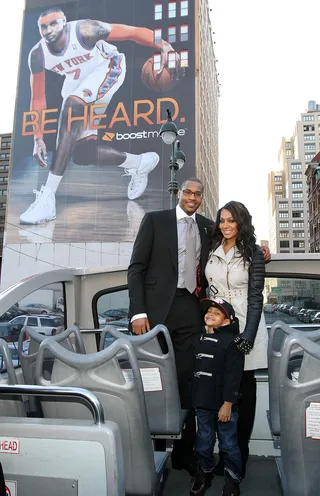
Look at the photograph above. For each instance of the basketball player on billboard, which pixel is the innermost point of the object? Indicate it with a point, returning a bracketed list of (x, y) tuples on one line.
[(93, 70)]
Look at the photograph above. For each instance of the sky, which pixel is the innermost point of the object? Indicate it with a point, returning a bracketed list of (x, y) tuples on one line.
[(267, 61)]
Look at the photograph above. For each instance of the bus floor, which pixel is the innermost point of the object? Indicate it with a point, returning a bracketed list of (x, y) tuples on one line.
[(261, 479)]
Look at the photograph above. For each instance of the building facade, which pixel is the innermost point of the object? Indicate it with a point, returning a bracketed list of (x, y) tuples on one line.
[(288, 190), (5, 149), (207, 105), (98, 203), (313, 183)]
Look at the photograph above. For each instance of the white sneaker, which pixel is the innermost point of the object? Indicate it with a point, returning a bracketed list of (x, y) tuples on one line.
[(139, 176), (42, 209)]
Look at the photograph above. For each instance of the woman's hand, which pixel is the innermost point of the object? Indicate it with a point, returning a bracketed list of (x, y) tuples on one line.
[(243, 345)]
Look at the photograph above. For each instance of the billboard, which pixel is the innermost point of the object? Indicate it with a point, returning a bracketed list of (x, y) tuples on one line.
[(95, 81)]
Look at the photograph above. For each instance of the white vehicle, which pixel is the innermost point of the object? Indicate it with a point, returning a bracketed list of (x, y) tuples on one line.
[(268, 308), (49, 325)]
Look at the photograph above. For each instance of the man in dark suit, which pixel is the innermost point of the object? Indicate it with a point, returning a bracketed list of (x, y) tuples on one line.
[(165, 282)]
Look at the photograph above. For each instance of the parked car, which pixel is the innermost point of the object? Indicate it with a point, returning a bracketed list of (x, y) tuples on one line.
[(293, 310), (110, 339), (307, 317), (268, 308), (101, 320), (48, 325), (10, 331), (13, 348), (13, 311), (301, 313), (115, 314), (35, 308), (316, 318)]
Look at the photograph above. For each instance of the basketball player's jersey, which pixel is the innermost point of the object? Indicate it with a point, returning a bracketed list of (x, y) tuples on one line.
[(76, 61)]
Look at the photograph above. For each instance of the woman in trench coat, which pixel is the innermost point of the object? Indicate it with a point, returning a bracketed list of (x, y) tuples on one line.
[(235, 271)]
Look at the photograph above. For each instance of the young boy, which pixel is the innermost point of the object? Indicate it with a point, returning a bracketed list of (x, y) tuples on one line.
[(217, 375)]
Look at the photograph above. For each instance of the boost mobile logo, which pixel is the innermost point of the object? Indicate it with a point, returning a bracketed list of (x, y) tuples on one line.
[(108, 136), (138, 135)]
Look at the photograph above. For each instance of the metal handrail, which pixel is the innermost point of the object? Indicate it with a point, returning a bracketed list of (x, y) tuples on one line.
[(90, 399)]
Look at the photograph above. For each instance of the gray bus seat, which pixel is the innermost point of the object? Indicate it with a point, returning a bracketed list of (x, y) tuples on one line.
[(159, 377), (9, 406), (278, 334), (123, 402), (28, 361), (54, 457), (300, 420)]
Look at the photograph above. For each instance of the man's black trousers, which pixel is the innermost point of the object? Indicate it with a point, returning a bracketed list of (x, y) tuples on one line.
[(184, 322)]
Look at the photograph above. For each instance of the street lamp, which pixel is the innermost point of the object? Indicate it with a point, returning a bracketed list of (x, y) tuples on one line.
[(169, 133)]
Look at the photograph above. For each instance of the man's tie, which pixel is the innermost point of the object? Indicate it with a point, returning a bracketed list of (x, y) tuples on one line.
[(190, 271)]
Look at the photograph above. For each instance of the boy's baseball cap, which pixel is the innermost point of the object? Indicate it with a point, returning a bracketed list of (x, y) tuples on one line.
[(225, 307)]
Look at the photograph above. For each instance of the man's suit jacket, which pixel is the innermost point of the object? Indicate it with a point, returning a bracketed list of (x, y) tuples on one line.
[(153, 269)]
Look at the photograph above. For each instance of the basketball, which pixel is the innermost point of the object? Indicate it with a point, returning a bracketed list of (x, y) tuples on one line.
[(154, 81)]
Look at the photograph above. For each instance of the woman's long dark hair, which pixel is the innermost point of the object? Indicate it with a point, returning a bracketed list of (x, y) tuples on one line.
[(246, 238)]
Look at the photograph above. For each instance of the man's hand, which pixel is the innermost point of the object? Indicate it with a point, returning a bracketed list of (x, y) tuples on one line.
[(40, 153), (224, 414), (140, 326), (165, 49), (266, 253)]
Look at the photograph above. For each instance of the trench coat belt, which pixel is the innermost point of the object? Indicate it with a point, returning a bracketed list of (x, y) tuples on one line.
[(232, 293)]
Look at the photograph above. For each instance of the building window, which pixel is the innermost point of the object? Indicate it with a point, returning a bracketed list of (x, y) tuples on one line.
[(296, 185), (308, 128), (278, 195), (184, 58), (283, 215), (296, 175), (171, 34), (278, 179), (158, 11), (309, 137), (288, 153), (156, 62), (310, 147), (298, 234), (296, 166), (283, 205), (309, 156), (184, 32), (284, 225), (297, 205), (171, 60), (297, 215), (283, 234), (298, 244), (296, 225), (184, 8), (278, 187), (297, 195), (172, 9), (284, 244), (308, 118), (157, 36)]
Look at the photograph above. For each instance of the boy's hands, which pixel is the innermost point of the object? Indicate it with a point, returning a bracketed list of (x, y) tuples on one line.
[(224, 414)]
